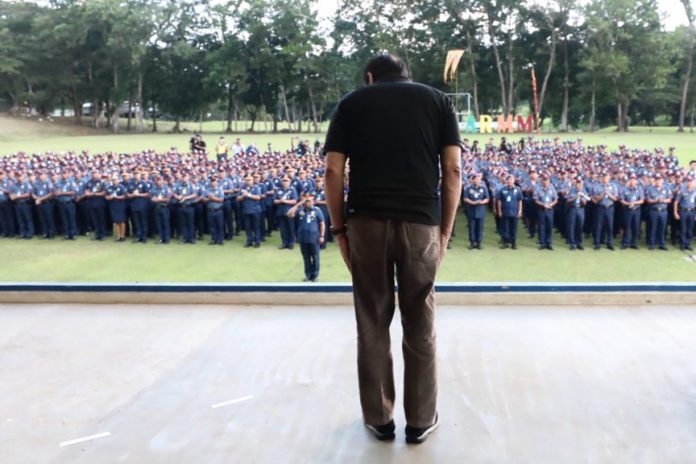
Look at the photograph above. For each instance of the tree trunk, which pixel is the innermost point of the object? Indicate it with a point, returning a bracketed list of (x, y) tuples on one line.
[(141, 109), (130, 113), (154, 117), (299, 120), (687, 78), (593, 111), (499, 66), (566, 86), (230, 110), (275, 122), (177, 126), (511, 77), (472, 67), (549, 69), (116, 105), (313, 106), (285, 105)]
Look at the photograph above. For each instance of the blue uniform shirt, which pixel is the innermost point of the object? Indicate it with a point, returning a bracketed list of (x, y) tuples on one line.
[(660, 194), (66, 186), (250, 206), (118, 190), (473, 193), (545, 195), (287, 194), (577, 196), (686, 198), (599, 190), (632, 194), (509, 198), (42, 188), (309, 220), (22, 188)]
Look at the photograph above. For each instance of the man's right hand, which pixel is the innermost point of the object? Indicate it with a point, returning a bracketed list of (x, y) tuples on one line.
[(344, 247)]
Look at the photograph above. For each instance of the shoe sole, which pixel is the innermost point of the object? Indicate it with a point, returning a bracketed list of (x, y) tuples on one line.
[(380, 436), (422, 437)]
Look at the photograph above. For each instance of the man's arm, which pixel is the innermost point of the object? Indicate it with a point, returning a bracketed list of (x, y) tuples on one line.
[(335, 174), (451, 167)]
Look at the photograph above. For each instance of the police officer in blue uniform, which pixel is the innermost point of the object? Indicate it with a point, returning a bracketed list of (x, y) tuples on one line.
[(251, 197), (475, 197), (139, 194), (161, 195), (215, 198), (576, 201), (510, 211), (320, 202), (284, 199), (94, 193), (66, 192), (658, 197), (685, 211), (228, 188), (116, 197), (632, 199), (7, 229), (604, 196), (310, 235), (187, 195), (43, 196), (545, 198), (22, 197)]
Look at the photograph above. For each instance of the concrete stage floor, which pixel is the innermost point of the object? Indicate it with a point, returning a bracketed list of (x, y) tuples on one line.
[(203, 384)]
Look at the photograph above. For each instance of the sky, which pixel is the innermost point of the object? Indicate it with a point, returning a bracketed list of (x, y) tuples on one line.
[(672, 9)]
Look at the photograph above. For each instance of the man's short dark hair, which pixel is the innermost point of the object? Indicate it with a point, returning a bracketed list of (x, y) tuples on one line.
[(385, 65)]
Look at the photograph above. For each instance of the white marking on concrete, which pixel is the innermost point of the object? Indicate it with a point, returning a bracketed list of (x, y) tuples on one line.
[(227, 403), (80, 440)]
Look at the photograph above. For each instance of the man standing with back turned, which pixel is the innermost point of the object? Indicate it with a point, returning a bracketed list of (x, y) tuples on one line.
[(400, 137)]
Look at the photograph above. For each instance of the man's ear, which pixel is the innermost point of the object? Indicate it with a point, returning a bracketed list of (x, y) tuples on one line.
[(370, 78)]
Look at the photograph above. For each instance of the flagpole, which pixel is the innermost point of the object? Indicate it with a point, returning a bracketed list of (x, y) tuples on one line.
[(536, 101)]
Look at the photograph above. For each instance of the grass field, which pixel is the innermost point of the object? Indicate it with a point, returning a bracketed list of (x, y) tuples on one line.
[(88, 261)]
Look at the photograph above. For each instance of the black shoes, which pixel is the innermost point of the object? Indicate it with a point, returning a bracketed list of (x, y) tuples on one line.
[(580, 247), (417, 436), (383, 432)]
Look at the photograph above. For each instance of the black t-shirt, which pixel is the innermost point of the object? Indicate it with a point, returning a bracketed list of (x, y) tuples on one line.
[(392, 133)]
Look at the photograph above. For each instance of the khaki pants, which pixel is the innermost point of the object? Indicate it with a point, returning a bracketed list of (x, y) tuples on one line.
[(381, 249)]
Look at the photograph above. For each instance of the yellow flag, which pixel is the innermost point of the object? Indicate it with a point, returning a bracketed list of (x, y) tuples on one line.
[(451, 64)]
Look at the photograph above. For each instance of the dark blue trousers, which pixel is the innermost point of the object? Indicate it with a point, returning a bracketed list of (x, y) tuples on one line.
[(141, 223), (545, 218), (216, 225), (237, 214), (287, 230), (228, 219), (252, 225), (631, 226), (46, 215), (162, 220), (509, 228), (529, 209), (575, 218), (7, 224), (475, 225), (604, 225), (686, 227), (657, 229), (188, 224), (310, 254), (97, 217), (68, 218), (25, 219)]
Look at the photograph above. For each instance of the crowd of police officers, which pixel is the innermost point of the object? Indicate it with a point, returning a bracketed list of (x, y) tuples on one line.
[(170, 195), (580, 191)]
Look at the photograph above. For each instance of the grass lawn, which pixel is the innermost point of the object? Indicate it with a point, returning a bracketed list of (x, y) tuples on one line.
[(87, 261)]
